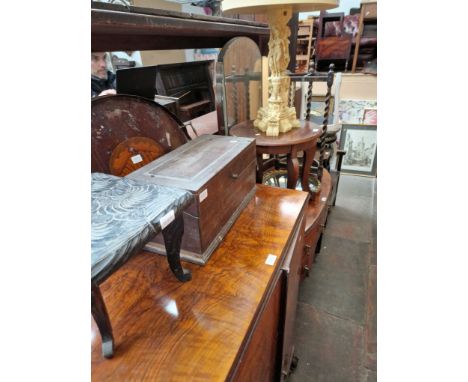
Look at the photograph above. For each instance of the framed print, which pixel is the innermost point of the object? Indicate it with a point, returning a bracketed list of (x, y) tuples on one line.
[(370, 116), (352, 111), (360, 144)]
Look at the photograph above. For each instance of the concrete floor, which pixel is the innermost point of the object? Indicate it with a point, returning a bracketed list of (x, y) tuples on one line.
[(336, 322)]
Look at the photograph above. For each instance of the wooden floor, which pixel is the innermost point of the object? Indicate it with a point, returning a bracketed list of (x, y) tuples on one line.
[(336, 323)]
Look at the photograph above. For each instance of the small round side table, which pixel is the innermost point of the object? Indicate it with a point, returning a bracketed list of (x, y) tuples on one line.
[(303, 138)]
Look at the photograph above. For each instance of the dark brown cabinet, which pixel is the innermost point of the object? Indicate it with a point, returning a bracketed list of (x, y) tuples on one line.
[(233, 321)]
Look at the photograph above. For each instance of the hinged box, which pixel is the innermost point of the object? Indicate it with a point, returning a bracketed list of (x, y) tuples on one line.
[(220, 172)]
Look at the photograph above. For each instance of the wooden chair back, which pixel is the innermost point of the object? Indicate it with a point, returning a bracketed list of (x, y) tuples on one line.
[(238, 83), (312, 77)]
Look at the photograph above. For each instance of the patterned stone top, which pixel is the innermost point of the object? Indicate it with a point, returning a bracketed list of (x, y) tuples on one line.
[(125, 215)]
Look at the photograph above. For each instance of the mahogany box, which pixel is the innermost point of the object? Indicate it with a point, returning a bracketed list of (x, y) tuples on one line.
[(220, 172)]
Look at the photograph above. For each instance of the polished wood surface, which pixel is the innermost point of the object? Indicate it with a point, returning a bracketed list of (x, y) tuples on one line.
[(303, 138), (125, 128), (303, 134), (292, 273), (316, 216), (168, 331), (116, 27), (220, 172), (318, 201)]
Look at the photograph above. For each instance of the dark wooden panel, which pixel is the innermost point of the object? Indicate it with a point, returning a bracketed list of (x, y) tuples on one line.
[(260, 360), (333, 47), (166, 330), (292, 270), (318, 202), (143, 30), (204, 221), (316, 215), (258, 21), (227, 193), (220, 172), (192, 166), (191, 82)]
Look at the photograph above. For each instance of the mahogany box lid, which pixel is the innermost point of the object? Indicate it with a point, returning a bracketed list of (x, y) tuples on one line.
[(194, 164)]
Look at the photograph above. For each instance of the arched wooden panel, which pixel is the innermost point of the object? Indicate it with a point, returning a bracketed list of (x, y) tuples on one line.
[(239, 82), (128, 132)]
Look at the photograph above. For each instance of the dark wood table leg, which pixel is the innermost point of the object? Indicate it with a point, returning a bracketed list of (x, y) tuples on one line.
[(293, 169), (306, 164), (259, 168), (172, 235), (99, 312)]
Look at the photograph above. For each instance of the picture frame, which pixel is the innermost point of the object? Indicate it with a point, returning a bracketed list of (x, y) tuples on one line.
[(360, 143), (352, 111), (370, 116)]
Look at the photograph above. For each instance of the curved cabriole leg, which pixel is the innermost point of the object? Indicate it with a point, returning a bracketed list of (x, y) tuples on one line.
[(172, 235), (99, 312), (293, 169)]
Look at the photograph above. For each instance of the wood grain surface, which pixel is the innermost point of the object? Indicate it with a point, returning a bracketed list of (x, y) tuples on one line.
[(115, 28), (171, 331), (316, 216), (318, 204), (305, 133), (218, 167)]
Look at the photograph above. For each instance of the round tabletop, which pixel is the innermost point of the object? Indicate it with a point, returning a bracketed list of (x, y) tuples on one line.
[(306, 132)]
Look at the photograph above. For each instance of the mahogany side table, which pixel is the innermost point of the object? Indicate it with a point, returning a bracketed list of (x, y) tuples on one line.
[(303, 138)]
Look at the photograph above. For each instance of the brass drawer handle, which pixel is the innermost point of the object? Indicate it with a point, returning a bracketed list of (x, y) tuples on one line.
[(234, 175)]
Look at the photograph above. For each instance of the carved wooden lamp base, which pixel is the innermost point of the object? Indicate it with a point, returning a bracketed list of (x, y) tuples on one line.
[(277, 117)]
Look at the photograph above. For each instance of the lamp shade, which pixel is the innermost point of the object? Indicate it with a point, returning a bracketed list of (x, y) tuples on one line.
[(261, 6)]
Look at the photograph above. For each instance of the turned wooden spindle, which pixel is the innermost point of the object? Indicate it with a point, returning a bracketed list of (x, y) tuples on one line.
[(247, 92), (234, 92), (309, 90), (330, 77)]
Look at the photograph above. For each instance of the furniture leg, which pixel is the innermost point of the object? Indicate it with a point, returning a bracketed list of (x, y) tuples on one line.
[(99, 312), (293, 169), (259, 168), (339, 162), (307, 163), (172, 235), (318, 247)]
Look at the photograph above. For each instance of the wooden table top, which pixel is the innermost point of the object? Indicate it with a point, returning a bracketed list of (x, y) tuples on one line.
[(306, 132), (166, 330)]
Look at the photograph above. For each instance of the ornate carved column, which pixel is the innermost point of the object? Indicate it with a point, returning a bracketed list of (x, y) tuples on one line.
[(277, 117)]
